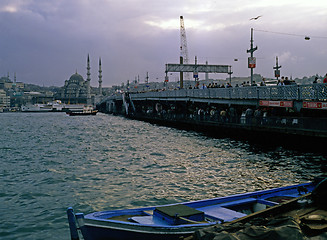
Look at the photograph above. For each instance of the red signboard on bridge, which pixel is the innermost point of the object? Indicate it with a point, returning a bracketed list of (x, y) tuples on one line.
[(315, 105), (268, 103)]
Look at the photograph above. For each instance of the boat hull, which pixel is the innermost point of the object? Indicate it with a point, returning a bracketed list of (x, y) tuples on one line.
[(93, 232), (72, 113)]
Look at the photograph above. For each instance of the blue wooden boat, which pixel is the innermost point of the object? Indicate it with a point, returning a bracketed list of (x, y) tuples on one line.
[(176, 221)]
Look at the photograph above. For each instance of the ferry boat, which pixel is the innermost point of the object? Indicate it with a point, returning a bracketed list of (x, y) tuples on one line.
[(177, 221), (36, 108), (54, 106), (87, 110)]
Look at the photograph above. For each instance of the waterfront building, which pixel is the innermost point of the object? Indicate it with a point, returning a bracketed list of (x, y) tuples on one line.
[(4, 100), (37, 97), (11, 92), (6, 83)]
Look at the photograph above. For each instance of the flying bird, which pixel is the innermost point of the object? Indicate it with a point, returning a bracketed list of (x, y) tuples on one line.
[(256, 18)]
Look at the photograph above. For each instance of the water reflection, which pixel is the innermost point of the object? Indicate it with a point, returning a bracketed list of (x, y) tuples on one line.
[(107, 162)]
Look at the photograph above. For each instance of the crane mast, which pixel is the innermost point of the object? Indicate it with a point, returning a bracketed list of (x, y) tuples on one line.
[(183, 48)]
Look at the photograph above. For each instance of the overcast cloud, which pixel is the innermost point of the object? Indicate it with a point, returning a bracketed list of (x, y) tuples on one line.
[(44, 41)]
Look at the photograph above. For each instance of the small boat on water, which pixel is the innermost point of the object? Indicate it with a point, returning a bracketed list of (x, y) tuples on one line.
[(177, 221), (87, 110)]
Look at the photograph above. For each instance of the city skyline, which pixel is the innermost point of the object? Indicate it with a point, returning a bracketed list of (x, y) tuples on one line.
[(45, 42)]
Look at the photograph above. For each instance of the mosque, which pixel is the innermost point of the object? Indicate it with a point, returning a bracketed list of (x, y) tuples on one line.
[(78, 91)]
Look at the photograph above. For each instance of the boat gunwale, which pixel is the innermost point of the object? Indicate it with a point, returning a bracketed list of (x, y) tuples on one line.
[(89, 219)]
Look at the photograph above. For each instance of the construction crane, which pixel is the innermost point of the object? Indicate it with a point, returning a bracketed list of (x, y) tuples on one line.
[(184, 52)]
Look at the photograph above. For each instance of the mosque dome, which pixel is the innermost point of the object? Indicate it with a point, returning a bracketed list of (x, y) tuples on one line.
[(76, 78)]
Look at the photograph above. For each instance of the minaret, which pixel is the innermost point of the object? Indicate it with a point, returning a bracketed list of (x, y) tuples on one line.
[(88, 80), (100, 78)]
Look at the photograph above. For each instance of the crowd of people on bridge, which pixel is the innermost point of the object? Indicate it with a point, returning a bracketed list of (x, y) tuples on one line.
[(210, 85), (280, 82), (231, 115), (285, 81), (227, 114)]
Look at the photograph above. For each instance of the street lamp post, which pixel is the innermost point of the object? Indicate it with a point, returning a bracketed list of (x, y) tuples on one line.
[(251, 60), (277, 67), (230, 72)]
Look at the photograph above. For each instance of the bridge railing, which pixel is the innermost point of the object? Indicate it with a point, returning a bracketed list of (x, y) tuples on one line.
[(314, 92)]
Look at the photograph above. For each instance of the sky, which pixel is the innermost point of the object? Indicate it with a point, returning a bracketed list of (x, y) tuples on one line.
[(44, 42)]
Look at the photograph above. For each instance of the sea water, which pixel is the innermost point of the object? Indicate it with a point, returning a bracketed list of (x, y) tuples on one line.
[(51, 161)]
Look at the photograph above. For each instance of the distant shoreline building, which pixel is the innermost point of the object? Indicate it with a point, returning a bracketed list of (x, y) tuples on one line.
[(4, 100), (10, 92), (6, 83)]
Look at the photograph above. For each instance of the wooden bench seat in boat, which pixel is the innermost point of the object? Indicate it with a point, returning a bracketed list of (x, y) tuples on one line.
[(171, 215), (149, 220), (222, 213)]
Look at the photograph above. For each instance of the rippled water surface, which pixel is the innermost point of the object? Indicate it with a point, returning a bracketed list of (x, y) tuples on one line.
[(50, 161)]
